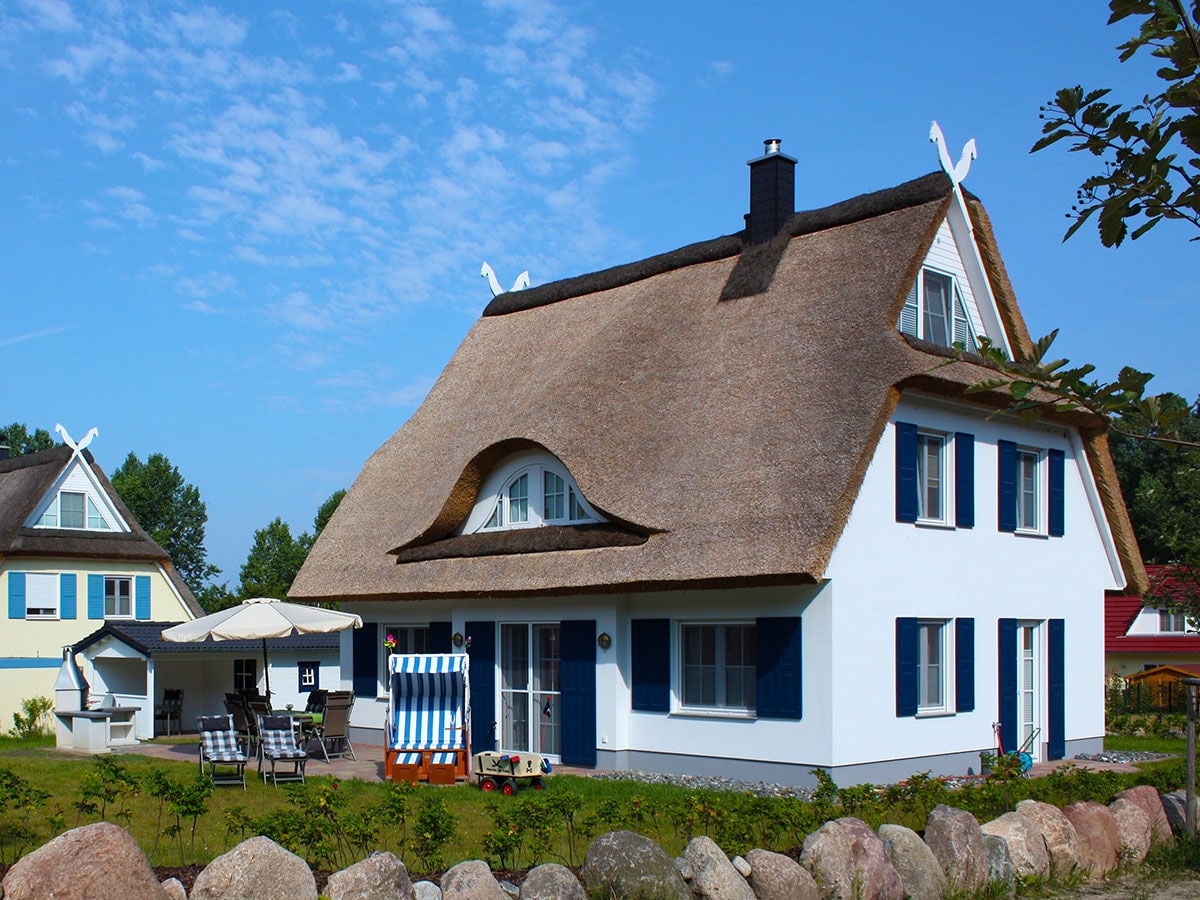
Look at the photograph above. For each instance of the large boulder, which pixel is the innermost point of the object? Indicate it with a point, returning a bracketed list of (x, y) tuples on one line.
[(774, 876), (955, 839), (427, 890), (101, 860), (1152, 804), (1062, 842), (552, 882), (381, 876), (631, 866), (713, 875), (471, 880), (1175, 808), (1133, 829), (256, 869), (1026, 846), (1001, 870), (1098, 837), (848, 860), (918, 867)]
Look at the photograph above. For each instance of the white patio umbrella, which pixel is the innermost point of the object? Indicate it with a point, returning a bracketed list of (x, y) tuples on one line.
[(262, 618)]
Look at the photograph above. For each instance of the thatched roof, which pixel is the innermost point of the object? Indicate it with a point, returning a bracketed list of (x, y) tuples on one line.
[(25, 480), (721, 403)]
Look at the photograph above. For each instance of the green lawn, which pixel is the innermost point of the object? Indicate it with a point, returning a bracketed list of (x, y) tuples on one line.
[(1150, 743)]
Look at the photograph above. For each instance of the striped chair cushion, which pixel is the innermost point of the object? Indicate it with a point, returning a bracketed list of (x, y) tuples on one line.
[(408, 759), (218, 739), (444, 759), (278, 740)]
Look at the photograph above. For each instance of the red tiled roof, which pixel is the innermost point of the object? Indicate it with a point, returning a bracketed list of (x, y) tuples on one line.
[(1119, 612)]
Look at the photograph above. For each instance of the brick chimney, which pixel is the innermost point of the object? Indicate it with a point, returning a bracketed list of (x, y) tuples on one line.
[(772, 192)]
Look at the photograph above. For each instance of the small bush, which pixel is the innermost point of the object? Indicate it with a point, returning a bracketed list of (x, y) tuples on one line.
[(34, 719)]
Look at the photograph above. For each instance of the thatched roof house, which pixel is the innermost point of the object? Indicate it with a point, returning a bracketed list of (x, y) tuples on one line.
[(720, 408)]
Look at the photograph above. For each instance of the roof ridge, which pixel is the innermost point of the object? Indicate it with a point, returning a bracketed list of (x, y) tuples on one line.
[(865, 206)]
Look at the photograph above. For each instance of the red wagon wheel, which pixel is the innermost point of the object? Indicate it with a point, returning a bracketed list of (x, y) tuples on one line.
[(508, 789), (487, 785)]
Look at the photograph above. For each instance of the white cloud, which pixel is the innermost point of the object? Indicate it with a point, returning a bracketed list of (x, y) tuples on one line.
[(347, 72), (208, 284), (208, 28), (33, 335), (51, 15), (299, 311)]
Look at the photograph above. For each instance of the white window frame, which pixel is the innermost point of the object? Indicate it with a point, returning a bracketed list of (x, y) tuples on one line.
[(722, 667), (942, 675), (114, 580), (94, 516), (497, 502), (308, 676), (1039, 486), (954, 298), (1171, 621), (941, 515), (40, 589)]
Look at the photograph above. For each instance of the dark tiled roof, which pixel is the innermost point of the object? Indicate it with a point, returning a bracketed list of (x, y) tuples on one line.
[(146, 638)]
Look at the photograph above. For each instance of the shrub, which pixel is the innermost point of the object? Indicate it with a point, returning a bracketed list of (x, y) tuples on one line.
[(34, 719)]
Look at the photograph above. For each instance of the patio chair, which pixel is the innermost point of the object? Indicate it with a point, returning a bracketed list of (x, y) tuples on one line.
[(219, 750), (256, 709), (171, 709), (316, 703), (279, 748), (333, 732), (241, 722)]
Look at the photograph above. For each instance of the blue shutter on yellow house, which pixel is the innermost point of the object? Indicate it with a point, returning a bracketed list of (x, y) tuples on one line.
[(67, 595), (141, 597), (16, 595), (95, 596)]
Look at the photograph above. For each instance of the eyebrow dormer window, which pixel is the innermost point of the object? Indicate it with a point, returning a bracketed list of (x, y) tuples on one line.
[(935, 311), (528, 490)]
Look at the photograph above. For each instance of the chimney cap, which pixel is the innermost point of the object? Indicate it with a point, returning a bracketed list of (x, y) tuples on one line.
[(770, 151)]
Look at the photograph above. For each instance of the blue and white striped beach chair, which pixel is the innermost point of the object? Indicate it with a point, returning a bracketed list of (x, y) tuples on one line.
[(428, 718)]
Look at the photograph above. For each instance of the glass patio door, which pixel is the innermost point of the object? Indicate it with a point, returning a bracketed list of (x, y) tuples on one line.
[(530, 691)]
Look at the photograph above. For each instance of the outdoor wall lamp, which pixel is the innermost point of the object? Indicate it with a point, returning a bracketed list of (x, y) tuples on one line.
[(604, 640), (457, 638)]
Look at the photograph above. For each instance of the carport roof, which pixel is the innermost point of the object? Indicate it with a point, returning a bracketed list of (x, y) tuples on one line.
[(146, 638)]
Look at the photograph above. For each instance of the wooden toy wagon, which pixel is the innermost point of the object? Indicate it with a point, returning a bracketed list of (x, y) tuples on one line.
[(505, 772)]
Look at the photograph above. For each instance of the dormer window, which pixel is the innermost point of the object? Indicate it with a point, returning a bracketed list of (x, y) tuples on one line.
[(527, 490), (935, 311), (74, 509)]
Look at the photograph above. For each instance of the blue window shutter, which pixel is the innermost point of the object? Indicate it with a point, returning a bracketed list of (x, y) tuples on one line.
[(67, 596), (1056, 690), (908, 665), (141, 597), (578, 685), (964, 665), (439, 637), (906, 472), (16, 595), (1057, 494), (964, 480), (366, 660), (95, 598), (779, 676), (650, 664), (1006, 510), (483, 685), (1006, 680)]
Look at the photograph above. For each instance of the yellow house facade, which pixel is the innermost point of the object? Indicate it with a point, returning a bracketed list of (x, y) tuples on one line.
[(72, 556)]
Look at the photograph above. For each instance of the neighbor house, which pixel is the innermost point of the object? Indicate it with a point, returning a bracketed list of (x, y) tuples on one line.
[(730, 509), (72, 557), (1141, 634)]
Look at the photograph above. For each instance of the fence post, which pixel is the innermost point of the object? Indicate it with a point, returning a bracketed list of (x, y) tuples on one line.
[(1193, 687)]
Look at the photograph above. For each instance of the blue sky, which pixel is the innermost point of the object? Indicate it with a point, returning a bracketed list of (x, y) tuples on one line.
[(249, 236)]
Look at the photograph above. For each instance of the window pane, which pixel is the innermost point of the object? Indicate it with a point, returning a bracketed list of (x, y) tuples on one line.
[(117, 601), (546, 658), (518, 500), (929, 476), (1027, 499), (555, 496), (577, 511), (70, 509), (95, 518), (514, 641), (931, 684), (937, 293), (496, 519), (700, 665)]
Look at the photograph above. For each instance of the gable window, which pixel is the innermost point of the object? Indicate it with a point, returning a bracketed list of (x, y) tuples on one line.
[(528, 490), (74, 509), (935, 311), (118, 597), (717, 666), (41, 595), (1171, 621)]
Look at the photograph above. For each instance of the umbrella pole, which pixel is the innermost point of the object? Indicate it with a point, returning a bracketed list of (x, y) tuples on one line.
[(267, 671)]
